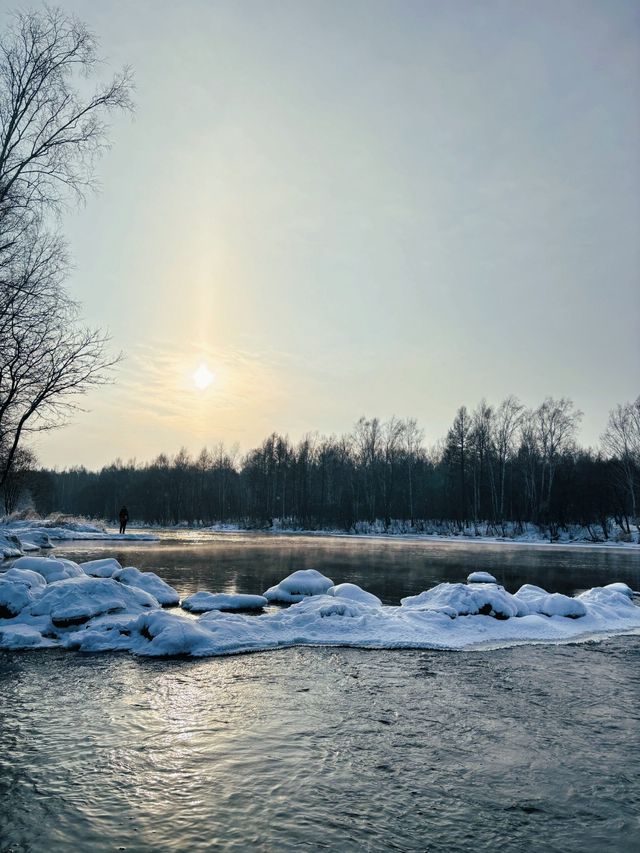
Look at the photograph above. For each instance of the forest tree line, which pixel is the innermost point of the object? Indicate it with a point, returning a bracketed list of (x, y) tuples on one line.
[(500, 466)]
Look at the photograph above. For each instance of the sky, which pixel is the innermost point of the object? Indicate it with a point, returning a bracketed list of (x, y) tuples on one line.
[(358, 208)]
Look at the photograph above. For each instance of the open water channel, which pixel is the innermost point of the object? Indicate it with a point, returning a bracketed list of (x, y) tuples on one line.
[(529, 748)]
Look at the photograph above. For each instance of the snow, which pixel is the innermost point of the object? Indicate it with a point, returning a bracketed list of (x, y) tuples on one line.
[(621, 587), (10, 545), (50, 568), (20, 535), (38, 609), (299, 585), (538, 600), (150, 582), (354, 593), (78, 599), (201, 602), (101, 568), (481, 577), (14, 597), (458, 599), (19, 587)]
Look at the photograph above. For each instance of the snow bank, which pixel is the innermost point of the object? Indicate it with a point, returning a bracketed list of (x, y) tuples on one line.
[(20, 535), (299, 585), (150, 582), (202, 602), (119, 613)]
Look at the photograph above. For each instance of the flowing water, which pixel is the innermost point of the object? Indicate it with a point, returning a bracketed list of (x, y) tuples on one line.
[(530, 748)]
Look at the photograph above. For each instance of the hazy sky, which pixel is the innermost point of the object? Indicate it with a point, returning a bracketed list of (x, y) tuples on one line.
[(348, 208)]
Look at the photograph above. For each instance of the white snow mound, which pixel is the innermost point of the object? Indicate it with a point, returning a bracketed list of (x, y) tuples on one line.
[(354, 593), (77, 600), (299, 585), (458, 599), (150, 582), (101, 568), (51, 569)]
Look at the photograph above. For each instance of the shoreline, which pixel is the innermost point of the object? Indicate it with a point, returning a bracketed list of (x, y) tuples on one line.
[(401, 537)]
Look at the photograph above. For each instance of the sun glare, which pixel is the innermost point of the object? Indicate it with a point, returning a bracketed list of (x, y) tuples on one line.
[(203, 377)]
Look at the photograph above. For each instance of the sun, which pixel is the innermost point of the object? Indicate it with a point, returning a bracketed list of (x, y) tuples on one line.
[(203, 377)]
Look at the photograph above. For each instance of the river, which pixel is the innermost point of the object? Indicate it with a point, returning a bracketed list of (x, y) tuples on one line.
[(528, 748)]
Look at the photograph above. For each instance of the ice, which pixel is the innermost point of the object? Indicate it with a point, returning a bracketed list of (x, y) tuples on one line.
[(354, 593), (51, 569), (101, 568), (150, 582), (299, 585), (201, 602), (481, 577)]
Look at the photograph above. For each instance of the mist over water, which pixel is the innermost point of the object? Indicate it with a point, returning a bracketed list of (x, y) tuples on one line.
[(336, 749)]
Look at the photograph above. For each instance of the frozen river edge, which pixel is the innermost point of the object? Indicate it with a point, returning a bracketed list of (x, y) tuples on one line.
[(101, 606)]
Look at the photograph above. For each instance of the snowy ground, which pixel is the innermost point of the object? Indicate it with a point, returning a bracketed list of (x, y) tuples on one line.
[(101, 606), (18, 536), (572, 537)]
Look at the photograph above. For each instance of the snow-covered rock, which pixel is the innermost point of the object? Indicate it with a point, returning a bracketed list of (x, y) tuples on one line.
[(620, 587), (34, 580), (35, 539), (150, 582), (481, 577), (76, 600), (9, 545), (14, 597), (299, 585), (538, 600), (202, 602), (458, 599), (354, 593), (101, 568), (51, 569)]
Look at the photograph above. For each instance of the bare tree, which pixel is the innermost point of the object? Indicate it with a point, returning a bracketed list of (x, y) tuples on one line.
[(557, 422), (621, 441), (46, 358), (412, 436), (50, 136), (508, 419)]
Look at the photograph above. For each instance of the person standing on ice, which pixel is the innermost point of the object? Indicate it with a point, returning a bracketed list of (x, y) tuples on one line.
[(124, 517)]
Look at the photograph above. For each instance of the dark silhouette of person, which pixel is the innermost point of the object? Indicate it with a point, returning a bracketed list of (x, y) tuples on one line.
[(124, 517)]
